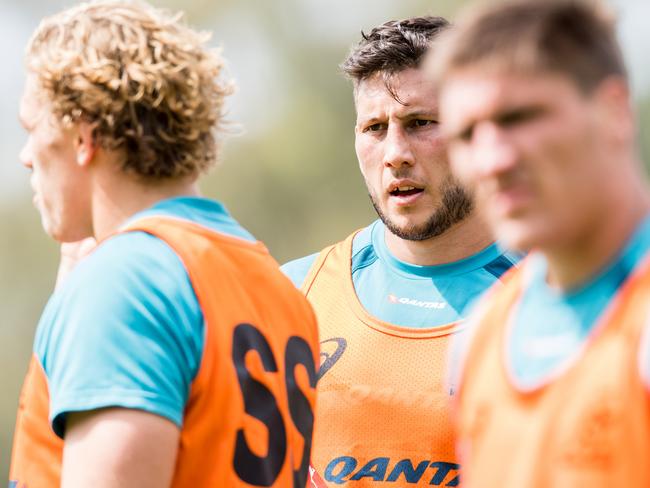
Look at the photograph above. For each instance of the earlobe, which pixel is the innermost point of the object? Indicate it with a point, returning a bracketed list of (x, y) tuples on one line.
[(81, 152), (86, 144), (82, 156)]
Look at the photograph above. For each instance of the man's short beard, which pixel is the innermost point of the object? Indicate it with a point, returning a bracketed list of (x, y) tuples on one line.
[(456, 205)]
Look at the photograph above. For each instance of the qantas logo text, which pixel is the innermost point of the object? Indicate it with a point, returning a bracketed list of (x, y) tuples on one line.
[(415, 303), (344, 469)]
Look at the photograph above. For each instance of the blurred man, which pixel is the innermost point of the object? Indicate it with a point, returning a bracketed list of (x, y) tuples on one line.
[(554, 390), (176, 353), (389, 296)]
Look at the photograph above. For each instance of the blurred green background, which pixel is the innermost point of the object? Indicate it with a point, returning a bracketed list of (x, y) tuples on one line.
[(290, 175)]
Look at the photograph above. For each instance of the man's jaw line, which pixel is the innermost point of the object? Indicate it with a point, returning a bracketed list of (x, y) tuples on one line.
[(442, 248)]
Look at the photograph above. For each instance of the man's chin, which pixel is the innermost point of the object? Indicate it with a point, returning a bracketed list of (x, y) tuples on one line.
[(410, 230), (61, 235), (518, 237), (418, 225), (50, 229)]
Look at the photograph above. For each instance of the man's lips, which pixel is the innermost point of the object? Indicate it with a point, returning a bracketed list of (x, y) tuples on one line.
[(508, 202), (405, 192), (400, 188)]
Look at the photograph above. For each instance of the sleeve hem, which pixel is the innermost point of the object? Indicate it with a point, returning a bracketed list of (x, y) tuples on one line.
[(132, 400)]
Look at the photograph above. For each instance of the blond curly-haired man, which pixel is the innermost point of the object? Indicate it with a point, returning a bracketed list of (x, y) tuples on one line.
[(141, 374)]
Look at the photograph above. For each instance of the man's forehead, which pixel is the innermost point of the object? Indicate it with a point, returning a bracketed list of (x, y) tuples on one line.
[(482, 93), (470, 91), (33, 103), (27, 109), (30, 97), (408, 90)]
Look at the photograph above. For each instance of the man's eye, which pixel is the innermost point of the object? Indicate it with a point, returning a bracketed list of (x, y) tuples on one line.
[(422, 122), (466, 135), (519, 116), (375, 127)]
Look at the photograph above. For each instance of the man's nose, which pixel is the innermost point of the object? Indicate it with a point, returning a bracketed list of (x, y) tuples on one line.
[(25, 157), (397, 148), (494, 151)]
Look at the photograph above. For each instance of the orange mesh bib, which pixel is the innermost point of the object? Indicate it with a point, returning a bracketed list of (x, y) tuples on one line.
[(590, 427), (249, 416), (383, 415), (37, 451)]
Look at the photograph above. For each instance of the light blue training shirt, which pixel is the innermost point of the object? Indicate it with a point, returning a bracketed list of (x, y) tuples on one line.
[(550, 326), (409, 295), (125, 328)]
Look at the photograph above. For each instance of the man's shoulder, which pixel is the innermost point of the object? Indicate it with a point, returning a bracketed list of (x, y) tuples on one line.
[(298, 269), (137, 295), (139, 265), (125, 276), (128, 252)]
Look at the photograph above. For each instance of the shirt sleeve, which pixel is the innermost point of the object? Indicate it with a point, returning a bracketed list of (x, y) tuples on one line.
[(297, 269), (125, 330)]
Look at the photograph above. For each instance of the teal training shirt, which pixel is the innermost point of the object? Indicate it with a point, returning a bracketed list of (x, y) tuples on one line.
[(551, 327), (125, 329), (409, 295)]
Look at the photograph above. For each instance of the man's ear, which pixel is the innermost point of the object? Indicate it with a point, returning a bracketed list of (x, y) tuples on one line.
[(615, 109), (86, 145)]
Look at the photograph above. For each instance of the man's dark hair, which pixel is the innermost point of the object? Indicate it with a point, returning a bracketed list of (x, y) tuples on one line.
[(576, 38), (392, 47)]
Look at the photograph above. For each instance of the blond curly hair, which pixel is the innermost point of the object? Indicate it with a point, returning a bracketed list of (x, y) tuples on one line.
[(143, 79)]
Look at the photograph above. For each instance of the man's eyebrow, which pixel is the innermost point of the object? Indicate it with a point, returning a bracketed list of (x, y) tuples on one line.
[(517, 113), (373, 119), (369, 120), (419, 113), (508, 115)]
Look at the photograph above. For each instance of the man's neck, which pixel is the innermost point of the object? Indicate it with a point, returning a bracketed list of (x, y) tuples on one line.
[(575, 263), (462, 240), (117, 198)]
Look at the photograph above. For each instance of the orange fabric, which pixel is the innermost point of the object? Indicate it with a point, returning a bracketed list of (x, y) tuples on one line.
[(251, 402), (37, 451), (589, 427), (383, 415)]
